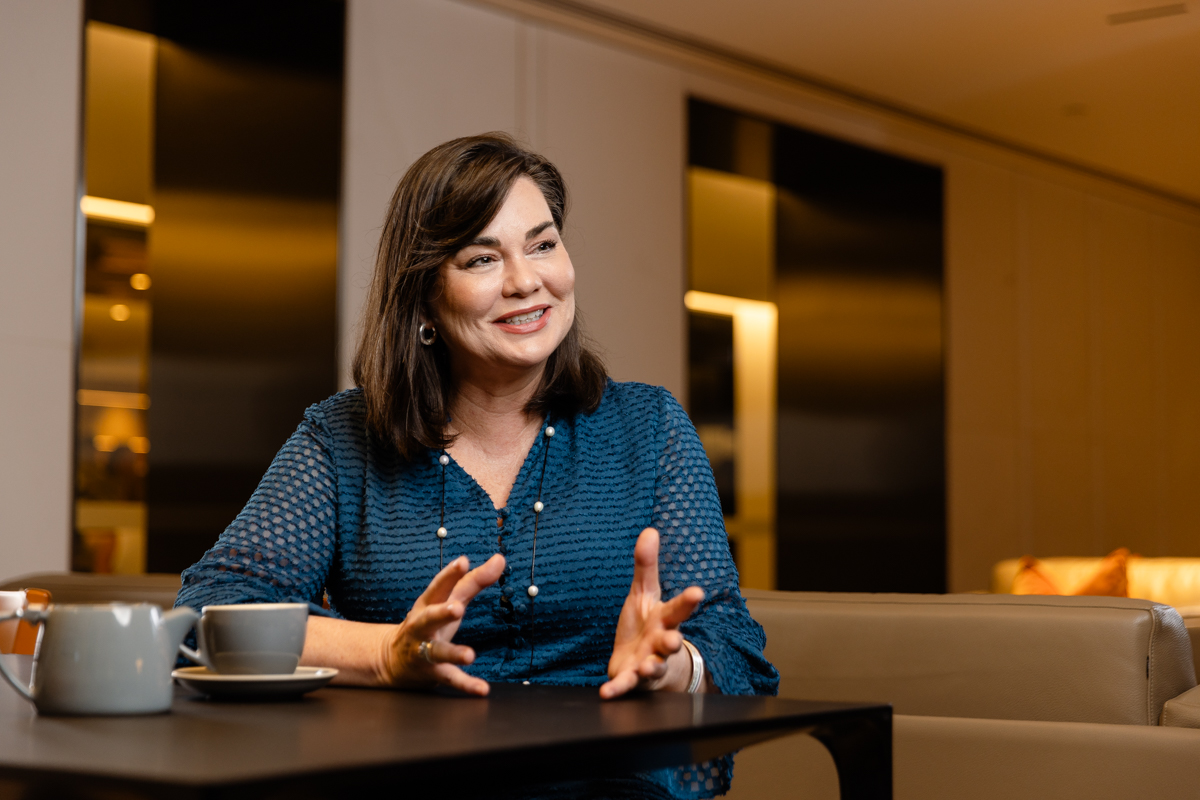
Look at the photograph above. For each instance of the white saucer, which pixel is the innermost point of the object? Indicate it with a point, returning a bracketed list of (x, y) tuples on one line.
[(302, 681)]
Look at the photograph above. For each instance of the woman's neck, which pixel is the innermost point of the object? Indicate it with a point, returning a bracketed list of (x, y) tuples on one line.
[(493, 432), (494, 415)]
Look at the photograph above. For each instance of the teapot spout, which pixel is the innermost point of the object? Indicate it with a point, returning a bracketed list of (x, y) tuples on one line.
[(177, 622)]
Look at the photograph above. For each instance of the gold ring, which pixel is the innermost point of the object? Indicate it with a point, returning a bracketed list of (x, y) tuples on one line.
[(425, 651)]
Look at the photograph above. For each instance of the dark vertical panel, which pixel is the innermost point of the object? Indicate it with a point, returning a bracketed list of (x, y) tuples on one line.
[(861, 431), (244, 248), (861, 477), (710, 394)]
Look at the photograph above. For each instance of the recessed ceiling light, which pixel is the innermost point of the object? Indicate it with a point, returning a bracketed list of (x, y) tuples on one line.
[(1153, 12)]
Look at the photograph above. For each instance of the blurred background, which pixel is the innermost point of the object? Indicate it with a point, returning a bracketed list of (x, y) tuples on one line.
[(926, 275)]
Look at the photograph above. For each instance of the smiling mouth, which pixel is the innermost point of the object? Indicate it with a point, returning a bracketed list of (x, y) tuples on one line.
[(521, 319)]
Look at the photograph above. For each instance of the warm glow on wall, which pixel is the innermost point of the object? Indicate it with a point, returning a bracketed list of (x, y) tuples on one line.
[(105, 443), (755, 366), (140, 281), (103, 208), (727, 306), (119, 312), (731, 233), (95, 397)]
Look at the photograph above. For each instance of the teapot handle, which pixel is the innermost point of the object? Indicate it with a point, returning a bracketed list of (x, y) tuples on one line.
[(33, 618)]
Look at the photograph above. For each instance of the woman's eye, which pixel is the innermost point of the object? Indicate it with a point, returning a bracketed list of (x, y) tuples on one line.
[(545, 247), (479, 261)]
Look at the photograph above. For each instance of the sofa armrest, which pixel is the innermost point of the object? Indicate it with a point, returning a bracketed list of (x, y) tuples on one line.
[(1182, 711)]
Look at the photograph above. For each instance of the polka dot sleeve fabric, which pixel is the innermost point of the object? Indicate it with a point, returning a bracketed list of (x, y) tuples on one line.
[(694, 551), (280, 546)]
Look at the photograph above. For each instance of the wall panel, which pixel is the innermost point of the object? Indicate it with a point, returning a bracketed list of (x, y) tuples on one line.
[(982, 369), (418, 73), (1124, 466), (1176, 255), (39, 173), (613, 123), (1056, 487)]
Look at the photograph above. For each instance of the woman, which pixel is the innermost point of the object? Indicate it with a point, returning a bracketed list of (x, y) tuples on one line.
[(484, 432)]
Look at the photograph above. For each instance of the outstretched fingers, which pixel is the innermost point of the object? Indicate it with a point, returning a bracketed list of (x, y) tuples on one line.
[(676, 611), (443, 583), (426, 622), (478, 579), (623, 682), (645, 563), (455, 678)]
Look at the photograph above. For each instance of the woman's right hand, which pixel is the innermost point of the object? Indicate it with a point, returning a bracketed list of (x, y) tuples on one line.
[(435, 618)]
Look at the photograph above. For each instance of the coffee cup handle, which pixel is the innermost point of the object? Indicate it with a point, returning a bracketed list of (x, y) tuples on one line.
[(33, 618), (194, 655)]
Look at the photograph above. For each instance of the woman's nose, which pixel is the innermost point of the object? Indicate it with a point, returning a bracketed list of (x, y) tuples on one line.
[(522, 278)]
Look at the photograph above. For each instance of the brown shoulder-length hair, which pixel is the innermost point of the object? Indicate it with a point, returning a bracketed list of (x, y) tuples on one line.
[(440, 205)]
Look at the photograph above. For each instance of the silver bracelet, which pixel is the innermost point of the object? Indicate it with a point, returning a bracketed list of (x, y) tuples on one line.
[(697, 667)]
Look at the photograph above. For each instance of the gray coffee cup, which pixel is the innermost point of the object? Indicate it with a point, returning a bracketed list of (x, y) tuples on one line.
[(251, 638)]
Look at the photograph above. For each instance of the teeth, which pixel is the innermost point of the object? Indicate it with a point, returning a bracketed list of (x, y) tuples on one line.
[(521, 319)]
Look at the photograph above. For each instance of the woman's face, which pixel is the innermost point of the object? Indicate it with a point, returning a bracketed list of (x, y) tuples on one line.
[(507, 299)]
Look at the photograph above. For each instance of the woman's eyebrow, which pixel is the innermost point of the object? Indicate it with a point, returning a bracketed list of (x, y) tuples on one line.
[(534, 231), (492, 241)]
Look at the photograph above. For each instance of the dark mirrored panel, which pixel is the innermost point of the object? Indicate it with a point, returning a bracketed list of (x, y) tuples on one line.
[(243, 174), (853, 238), (710, 387)]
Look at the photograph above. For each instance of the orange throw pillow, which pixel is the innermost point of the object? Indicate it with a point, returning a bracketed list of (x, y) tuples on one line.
[(1031, 580), (1109, 580)]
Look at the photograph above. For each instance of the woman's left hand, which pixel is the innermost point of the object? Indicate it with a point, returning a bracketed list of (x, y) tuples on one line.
[(647, 653)]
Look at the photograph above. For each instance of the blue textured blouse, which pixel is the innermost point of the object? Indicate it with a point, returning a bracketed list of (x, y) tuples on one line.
[(340, 513)]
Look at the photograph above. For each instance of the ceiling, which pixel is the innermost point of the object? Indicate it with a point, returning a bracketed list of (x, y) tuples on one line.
[(1058, 77)]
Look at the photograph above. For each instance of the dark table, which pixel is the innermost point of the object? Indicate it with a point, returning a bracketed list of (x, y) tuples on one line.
[(367, 743)]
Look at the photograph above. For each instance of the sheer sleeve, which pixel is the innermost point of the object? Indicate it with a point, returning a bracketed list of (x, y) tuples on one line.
[(280, 546), (695, 552)]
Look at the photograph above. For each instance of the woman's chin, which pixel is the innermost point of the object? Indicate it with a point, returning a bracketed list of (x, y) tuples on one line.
[(530, 354)]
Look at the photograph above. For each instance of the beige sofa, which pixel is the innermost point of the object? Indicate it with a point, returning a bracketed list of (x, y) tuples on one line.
[(996, 696)]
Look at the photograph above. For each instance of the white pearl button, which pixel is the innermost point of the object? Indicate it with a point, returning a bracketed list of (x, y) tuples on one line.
[(550, 431), (538, 506), (533, 590), (444, 460), (442, 533)]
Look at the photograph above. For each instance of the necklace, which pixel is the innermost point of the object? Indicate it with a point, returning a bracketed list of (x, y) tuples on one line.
[(538, 508)]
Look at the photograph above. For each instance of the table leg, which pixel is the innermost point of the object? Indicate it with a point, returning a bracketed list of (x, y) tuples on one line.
[(862, 752)]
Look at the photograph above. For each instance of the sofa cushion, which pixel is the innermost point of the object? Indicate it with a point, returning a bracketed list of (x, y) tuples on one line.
[(949, 758), (1070, 659), (1182, 711)]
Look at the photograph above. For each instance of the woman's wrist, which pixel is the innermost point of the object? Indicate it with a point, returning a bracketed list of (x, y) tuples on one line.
[(679, 672), (385, 669), (355, 649)]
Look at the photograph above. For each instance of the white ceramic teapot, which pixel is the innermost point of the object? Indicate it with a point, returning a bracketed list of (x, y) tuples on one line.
[(102, 659)]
